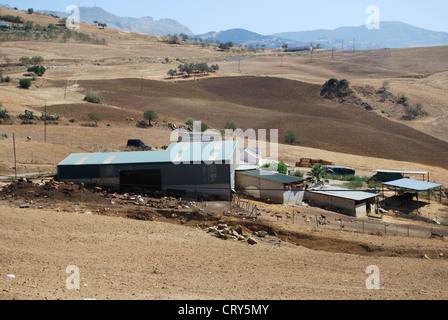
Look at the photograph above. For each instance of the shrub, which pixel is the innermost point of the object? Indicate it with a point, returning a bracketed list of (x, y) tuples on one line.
[(411, 112), (50, 117), (7, 79), (93, 97), (231, 125), (4, 115), (190, 121), (38, 70), (28, 116), (25, 83)]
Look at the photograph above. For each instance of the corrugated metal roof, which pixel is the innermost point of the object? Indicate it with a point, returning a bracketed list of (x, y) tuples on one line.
[(272, 176), (402, 172), (412, 184), (197, 152), (339, 192)]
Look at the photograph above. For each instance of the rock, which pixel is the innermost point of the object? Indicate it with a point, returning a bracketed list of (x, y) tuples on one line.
[(222, 226), (252, 241), (440, 254), (426, 257), (212, 229), (23, 206), (262, 234), (222, 235)]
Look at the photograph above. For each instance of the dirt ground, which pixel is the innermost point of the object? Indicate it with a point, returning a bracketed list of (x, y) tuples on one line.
[(127, 256), (169, 261)]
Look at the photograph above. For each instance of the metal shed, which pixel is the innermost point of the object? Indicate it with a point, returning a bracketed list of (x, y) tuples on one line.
[(194, 170), (276, 187), (354, 203), (409, 188)]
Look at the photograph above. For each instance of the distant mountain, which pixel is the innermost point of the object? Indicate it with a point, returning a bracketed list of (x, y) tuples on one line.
[(147, 25), (6, 6), (390, 35), (246, 38)]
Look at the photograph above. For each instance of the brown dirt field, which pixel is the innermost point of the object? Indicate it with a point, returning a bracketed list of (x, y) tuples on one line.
[(38, 246), (274, 103), (119, 250)]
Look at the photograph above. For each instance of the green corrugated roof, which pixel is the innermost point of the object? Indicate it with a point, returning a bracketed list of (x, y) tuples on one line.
[(272, 176), (196, 152)]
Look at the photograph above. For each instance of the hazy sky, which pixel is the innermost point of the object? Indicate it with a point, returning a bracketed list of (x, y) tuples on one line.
[(264, 16)]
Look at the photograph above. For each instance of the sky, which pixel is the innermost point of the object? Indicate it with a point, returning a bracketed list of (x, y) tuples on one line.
[(264, 16)]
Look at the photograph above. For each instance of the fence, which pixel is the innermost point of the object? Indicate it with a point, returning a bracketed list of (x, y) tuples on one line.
[(373, 226)]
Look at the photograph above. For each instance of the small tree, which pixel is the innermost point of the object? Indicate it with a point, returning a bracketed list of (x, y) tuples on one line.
[(25, 83), (172, 73), (150, 116), (291, 138), (95, 117)]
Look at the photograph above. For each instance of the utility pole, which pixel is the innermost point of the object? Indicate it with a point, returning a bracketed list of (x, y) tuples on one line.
[(332, 53), (15, 159), (65, 94), (354, 43), (45, 124), (342, 45)]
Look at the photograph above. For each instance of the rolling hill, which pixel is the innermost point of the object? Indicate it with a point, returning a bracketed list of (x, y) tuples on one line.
[(147, 25), (390, 35), (249, 38)]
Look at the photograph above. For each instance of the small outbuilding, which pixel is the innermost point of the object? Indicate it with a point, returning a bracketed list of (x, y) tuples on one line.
[(265, 184), (351, 202), (408, 189)]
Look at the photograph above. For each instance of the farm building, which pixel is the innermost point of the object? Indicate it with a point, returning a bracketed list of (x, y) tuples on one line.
[(276, 187), (189, 170), (354, 203), (407, 189)]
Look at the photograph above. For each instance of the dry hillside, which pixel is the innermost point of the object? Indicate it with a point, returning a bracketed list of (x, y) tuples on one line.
[(154, 257)]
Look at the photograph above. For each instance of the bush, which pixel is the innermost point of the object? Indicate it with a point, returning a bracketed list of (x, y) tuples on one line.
[(28, 116), (25, 83), (190, 121), (4, 115), (7, 79), (93, 97), (50, 117), (38, 70), (230, 125), (411, 112)]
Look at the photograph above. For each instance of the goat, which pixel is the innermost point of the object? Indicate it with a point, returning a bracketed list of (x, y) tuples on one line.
[(278, 216)]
